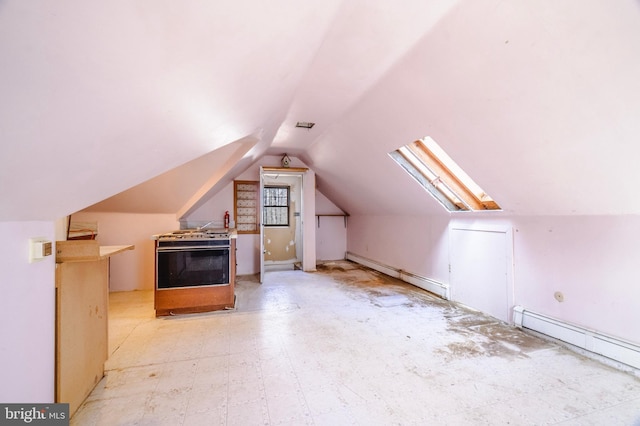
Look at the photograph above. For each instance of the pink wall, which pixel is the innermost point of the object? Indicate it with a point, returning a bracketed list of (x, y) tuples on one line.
[(27, 318), (417, 244), (215, 208), (247, 254), (592, 260), (331, 238), (130, 270), (331, 231)]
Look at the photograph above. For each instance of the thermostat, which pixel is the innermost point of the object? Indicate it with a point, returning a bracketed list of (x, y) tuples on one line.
[(39, 248)]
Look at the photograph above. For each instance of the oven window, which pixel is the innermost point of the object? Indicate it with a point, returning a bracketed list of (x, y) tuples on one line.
[(192, 268)]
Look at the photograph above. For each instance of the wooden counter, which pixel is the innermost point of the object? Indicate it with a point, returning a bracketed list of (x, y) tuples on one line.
[(85, 251), (82, 303), (108, 251)]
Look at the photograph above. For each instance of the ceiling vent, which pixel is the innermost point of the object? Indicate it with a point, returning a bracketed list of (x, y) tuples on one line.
[(305, 124)]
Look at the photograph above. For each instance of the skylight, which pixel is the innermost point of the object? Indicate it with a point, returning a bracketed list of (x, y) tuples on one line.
[(428, 164)]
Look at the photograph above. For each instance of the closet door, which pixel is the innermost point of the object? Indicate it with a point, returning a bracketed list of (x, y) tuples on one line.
[(481, 265)]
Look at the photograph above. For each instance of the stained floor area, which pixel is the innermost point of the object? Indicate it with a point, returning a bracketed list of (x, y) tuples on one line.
[(343, 346)]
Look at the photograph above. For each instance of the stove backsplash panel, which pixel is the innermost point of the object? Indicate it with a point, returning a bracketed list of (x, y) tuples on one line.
[(199, 224)]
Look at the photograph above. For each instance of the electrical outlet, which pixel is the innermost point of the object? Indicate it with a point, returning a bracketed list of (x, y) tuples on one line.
[(39, 248), (559, 296)]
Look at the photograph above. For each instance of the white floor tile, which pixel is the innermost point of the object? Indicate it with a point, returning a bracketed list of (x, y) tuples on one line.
[(343, 347)]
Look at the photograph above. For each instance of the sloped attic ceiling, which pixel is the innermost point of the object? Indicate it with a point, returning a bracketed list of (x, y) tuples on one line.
[(364, 43), (537, 101), (100, 97), (180, 188)]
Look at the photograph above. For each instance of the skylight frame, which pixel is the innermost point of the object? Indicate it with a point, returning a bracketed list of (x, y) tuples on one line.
[(436, 171)]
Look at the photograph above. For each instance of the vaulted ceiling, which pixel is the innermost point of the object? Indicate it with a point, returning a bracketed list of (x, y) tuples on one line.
[(125, 101)]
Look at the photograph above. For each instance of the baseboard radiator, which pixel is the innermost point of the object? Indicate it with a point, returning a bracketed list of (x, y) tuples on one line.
[(424, 283), (593, 341)]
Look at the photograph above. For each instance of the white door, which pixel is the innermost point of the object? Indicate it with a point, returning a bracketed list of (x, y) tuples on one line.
[(260, 203), (480, 275), (282, 240)]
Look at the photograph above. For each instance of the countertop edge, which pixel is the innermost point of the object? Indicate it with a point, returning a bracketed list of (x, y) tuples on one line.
[(106, 251)]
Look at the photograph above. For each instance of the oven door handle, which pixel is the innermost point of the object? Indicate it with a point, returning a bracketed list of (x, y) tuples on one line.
[(189, 248)]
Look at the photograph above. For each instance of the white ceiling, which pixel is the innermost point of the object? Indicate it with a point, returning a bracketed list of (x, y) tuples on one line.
[(538, 101)]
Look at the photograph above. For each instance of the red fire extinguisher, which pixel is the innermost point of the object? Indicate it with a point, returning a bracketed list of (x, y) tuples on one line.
[(226, 219)]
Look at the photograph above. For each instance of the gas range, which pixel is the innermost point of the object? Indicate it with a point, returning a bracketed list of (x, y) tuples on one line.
[(195, 235)]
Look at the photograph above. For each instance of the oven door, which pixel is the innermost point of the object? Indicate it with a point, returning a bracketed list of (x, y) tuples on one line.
[(191, 266)]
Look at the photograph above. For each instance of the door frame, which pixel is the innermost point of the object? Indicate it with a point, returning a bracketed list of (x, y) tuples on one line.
[(273, 171)]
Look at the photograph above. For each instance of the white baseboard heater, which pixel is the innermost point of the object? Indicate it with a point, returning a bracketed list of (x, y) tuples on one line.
[(424, 283), (593, 341)]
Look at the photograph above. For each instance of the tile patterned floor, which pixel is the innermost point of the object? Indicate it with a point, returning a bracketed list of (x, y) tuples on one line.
[(343, 346)]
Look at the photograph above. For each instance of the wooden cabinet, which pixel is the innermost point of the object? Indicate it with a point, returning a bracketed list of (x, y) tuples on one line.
[(82, 304)]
